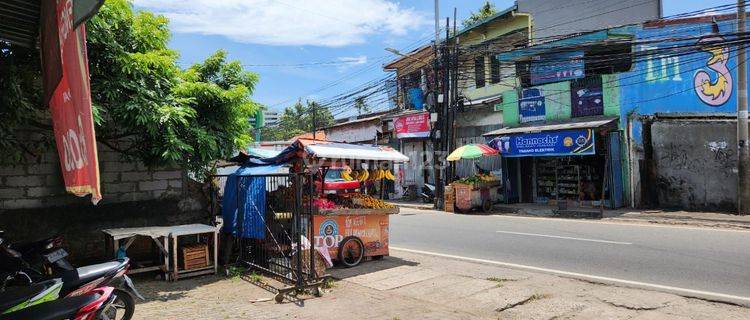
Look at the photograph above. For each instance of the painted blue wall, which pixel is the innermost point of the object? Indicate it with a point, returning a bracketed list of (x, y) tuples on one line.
[(701, 82)]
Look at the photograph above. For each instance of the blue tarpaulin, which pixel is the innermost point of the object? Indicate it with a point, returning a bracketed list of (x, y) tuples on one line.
[(249, 185)]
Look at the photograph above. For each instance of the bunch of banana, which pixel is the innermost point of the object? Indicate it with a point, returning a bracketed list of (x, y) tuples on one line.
[(389, 175), (363, 175), (346, 175)]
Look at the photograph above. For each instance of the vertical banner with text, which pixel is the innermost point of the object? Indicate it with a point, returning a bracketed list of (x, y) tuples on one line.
[(67, 90)]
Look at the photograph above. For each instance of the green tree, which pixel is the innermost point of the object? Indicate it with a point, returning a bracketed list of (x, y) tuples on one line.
[(298, 119), (361, 105), (144, 105), (487, 10)]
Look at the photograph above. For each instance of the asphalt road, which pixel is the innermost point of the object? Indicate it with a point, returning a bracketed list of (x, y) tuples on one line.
[(692, 258)]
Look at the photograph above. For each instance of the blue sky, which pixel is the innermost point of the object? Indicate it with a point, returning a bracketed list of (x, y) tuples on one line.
[(347, 36)]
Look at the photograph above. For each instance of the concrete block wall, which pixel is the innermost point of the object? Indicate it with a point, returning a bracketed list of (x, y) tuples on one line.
[(37, 182), (34, 204)]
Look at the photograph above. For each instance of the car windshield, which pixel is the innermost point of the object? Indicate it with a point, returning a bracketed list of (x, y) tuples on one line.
[(334, 175)]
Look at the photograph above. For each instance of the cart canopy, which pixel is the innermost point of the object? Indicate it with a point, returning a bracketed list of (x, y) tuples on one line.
[(331, 150)]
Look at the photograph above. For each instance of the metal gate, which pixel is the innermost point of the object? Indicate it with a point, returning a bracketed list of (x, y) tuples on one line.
[(273, 228)]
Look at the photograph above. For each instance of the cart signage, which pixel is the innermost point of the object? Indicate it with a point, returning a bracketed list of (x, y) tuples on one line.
[(371, 229), (554, 143), (412, 126)]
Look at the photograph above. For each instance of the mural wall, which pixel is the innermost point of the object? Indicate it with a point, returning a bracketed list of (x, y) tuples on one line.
[(673, 82)]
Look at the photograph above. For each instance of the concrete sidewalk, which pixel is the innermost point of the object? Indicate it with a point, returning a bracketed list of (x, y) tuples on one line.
[(696, 219), (416, 286)]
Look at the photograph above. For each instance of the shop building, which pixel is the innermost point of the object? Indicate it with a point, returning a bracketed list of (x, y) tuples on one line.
[(659, 100)]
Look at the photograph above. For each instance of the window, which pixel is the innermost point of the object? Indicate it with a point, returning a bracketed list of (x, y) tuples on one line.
[(495, 70), (479, 76)]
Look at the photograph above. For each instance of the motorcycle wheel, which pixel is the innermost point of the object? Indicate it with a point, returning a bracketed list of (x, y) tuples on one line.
[(122, 308)]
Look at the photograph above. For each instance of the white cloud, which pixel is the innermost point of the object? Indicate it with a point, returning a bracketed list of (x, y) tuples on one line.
[(349, 62), (330, 23)]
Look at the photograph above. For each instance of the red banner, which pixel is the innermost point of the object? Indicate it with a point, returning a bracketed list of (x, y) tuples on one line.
[(67, 87), (412, 126)]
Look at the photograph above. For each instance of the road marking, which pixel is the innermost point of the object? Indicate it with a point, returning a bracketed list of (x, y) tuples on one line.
[(634, 223), (561, 237), (708, 295)]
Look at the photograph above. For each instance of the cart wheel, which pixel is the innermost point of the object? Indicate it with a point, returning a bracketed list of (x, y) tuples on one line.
[(279, 298), (351, 251), (487, 206)]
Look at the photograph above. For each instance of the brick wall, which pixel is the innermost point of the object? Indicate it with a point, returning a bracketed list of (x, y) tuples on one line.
[(34, 205), (37, 183)]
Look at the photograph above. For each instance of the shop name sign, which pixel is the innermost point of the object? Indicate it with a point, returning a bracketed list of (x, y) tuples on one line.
[(412, 126), (557, 67), (555, 143)]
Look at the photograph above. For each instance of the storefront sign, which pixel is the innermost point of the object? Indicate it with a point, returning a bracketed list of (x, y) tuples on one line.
[(67, 89), (371, 229), (586, 97), (554, 143), (557, 67), (531, 105), (412, 126)]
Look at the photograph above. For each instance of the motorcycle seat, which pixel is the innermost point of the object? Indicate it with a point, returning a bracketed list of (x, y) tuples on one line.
[(82, 275), (54, 310), (13, 296)]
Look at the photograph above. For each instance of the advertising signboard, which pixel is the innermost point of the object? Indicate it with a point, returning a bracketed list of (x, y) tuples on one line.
[(412, 126), (586, 97), (531, 105), (371, 229), (579, 142), (557, 67), (67, 90)]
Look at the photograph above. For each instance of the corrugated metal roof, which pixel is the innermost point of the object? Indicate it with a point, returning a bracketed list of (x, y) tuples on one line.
[(20, 22), (551, 127)]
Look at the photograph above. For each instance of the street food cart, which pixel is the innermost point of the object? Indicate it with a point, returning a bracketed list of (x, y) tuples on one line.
[(480, 191), (289, 226), (354, 225), (478, 195)]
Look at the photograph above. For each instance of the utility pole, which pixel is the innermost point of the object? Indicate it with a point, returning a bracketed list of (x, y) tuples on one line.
[(743, 163), (446, 131), (436, 146), (314, 122)]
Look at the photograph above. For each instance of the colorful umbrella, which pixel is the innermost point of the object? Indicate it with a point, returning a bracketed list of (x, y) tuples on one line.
[(471, 151)]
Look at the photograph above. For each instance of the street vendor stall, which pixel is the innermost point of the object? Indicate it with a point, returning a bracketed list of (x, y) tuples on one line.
[(482, 190), (291, 219), (353, 225)]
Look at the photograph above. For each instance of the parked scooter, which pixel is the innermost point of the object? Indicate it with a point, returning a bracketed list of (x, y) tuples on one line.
[(81, 281), (89, 306), (20, 297), (428, 193)]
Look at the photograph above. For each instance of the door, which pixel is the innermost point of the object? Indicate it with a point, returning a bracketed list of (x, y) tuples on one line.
[(527, 179), (615, 184), (510, 175)]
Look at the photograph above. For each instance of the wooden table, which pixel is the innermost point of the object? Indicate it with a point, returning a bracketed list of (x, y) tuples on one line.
[(161, 237)]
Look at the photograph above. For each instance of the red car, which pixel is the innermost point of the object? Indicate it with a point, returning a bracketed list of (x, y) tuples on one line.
[(335, 183)]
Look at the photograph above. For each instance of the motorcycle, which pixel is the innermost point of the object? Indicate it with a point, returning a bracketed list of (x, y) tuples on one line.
[(88, 306), (80, 281), (428, 193), (21, 297)]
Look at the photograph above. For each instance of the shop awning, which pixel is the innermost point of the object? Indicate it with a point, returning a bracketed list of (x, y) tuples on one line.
[(565, 139), (551, 127), (355, 152)]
